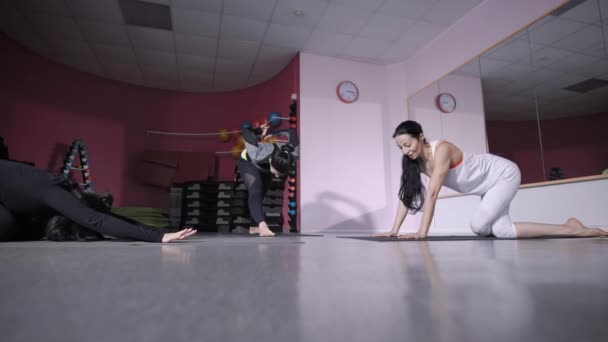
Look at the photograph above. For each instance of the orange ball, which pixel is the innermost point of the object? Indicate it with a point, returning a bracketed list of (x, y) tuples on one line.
[(235, 152), (223, 135)]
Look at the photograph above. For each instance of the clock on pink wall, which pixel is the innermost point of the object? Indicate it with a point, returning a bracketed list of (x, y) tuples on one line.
[(347, 91)]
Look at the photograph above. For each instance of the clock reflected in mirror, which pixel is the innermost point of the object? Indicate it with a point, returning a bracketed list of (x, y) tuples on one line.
[(446, 103)]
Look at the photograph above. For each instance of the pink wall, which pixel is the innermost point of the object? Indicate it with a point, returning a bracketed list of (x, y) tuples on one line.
[(576, 144), (44, 106)]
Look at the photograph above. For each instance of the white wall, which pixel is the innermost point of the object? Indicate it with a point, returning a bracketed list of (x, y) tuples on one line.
[(343, 169)]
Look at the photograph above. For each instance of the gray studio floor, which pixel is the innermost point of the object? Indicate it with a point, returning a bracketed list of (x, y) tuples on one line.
[(305, 289)]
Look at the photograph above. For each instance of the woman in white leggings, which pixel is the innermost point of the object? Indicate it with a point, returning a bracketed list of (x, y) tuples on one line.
[(494, 178)]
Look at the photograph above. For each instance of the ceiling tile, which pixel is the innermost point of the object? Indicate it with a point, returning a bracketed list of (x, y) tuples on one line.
[(597, 69), (273, 54), (287, 36), (240, 28), (421, 33), (365, 48), (259, 9), (195, 75), (122, 73), (366, 5), (97, 10), (56, 7), (312, 12), (150, 38), (554, 30), (265, 71), (327, 43), (386, 27), (166, 72), (583, 39), (548, 56), (586, 12), (343, 19), (195, 62), (97, 32), (448, 12), (571, 63), (115, 54), (55, 27), (195, 22), (397, 52), (411, 9), (234, 48), (155, 57), (225, 65), (213, 6), (512, 50), (196, 45)]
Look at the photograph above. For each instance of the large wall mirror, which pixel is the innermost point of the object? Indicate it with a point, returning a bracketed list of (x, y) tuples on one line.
[(545, 94)]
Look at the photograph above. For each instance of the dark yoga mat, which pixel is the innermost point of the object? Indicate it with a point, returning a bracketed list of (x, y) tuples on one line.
[(456, 238), (228, 235)]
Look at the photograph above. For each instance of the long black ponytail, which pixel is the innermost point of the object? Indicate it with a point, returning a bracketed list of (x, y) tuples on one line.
[(282, 158), (412, 190)]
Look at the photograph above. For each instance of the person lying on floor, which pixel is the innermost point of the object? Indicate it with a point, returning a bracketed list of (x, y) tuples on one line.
[(493, 178), (36, 204)]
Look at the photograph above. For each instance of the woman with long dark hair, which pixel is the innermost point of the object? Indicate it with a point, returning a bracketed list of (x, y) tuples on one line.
[(36, 204), (259, 162), (493, 178)]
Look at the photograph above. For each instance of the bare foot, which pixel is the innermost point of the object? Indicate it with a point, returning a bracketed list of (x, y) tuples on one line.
[(254, 230), (582, 230), (266, 232)]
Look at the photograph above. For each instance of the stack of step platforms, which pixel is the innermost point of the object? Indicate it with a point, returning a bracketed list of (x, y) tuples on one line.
[(205, 206)]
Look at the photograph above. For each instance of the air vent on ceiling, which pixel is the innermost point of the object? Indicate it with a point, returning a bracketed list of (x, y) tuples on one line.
[(565, 8), (141, 13), (587, 85)]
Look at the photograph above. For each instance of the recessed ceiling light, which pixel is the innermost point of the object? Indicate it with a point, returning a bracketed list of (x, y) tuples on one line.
[(298, 12)]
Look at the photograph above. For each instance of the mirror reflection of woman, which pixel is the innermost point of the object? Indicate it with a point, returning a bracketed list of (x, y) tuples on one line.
[(493, 178)]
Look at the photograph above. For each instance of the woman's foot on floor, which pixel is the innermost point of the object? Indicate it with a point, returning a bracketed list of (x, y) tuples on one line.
[(582, 230), (261, 231)]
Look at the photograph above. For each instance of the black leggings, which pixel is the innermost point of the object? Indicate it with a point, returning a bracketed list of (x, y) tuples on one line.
[(66, 204), (257, 183)]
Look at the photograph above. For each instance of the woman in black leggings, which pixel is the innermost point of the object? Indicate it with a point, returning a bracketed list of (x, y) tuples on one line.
[(259, 162), (28, 193)]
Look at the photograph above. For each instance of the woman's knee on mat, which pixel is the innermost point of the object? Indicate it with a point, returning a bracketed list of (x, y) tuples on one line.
[(481, 224)]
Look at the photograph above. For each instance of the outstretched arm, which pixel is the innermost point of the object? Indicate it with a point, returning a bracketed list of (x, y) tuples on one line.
[(69, 206), (441, 168)]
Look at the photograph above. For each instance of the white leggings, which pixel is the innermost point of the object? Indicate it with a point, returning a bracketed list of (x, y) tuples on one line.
[(493, 214)]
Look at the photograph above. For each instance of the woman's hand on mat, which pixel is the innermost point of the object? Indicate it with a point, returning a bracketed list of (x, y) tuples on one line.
[(415, 235), (182, 234), (385, 234)]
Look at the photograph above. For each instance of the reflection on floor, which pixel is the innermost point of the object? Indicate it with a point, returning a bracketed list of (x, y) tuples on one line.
[(305, 289)]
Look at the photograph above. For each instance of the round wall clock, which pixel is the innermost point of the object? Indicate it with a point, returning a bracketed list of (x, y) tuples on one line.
[(445, 102), (347, 92)]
